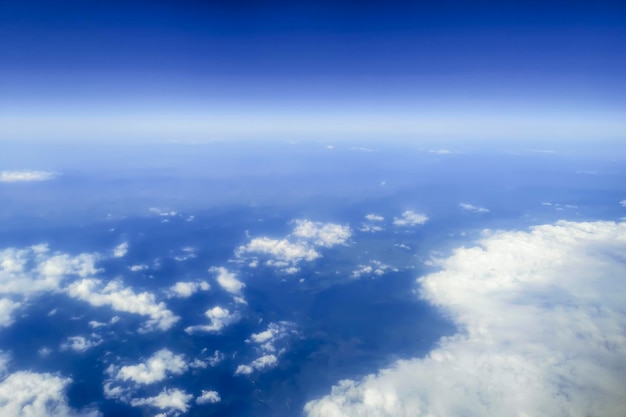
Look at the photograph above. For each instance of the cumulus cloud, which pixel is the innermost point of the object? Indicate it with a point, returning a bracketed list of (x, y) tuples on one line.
[(26, 176), (259, 364), (29, 394), (228, 280), (120, 250), (622, 203), (119, 298), (410, 218), (473, 209), (374, 217), (7, 310), (266, 343), (541, 332), (219, 318), (298, 246), (81, 343), (187, 289), (155, 369), (168, 399), (373, 268), (208, 397), (139, 267)]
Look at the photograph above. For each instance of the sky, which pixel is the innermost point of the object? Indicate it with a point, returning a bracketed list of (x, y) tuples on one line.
[(146, 70)]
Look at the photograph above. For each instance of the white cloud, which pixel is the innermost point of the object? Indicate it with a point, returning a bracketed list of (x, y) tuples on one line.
[(168, 399), (120, 250), (119, 298), (473, 209), (259, 364), (281, 249), (187, 289), (228, 280), (322, 234), (374, 268), (374, 217), (7, 309), (540, 317), (208, 397), (440, 151), (137, 268), (622, 203), (26, 176), (410, 218), (274, 332), (219, 318), (80, 343), (155, 369), (29, 394)]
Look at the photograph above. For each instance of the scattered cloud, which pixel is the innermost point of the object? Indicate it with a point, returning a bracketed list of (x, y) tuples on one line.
[(27, 176), (120, 250), (259, 364), (155, 369), (361, 149), (219, 318), (622, 203), (30, 394), (540, 317), (322, 234), (168, 399), (137, 268), (281, 249), (473, 209), (440, 151), (228, 280), (410, 218), (266, 344), (81, 343), (373, 268), (187, 289), (7, 310), (120, 298), (208, 397), (374, 218)]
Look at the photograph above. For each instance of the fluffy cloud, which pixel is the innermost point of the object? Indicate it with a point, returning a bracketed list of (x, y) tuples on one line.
[(259, 364), (7, 309), (119, 298), (374, 217), (298, 246), (410, 218), (120, 250), (219, 318), (374, 268), (208, 397), (155, 369), (187, 289), (168, 399), (80, 343), (622, 203), (541, 332), (29, 394), (26, 176), (473, 209), (265, 342), (228, 280)]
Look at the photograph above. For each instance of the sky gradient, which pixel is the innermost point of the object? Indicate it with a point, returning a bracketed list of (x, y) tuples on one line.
[(213, 70)]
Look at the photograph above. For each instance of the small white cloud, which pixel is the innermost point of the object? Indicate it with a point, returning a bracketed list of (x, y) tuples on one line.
[(187, 289), (374, 268), (228, 280), (274, 332), (155, 369), (259, 364), (374, 217), (26, 176), (7, 310), (622, 203), (219, 318), (322, 234), (280, 249), (120, 250), (80, 343), (208, 397), (119, 298), (440, 151), (473, 209), (137, 268), (168, 399), (410, 218)]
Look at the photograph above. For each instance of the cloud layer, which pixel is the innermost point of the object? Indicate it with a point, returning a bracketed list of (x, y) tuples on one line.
[(541, 323), (26, 176)]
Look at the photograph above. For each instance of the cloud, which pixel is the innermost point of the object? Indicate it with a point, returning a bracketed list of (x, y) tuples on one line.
[(540, 317), (440, 151), (259, 364), (228, 280), (281, 249), (119, 298), (168, 399), (219, 318), (187, 289), (374, 217), (208, 397), (267, 339), (322, 234), (622, 203), (80, 343), (137, 268), (473, 209), (155, 369), (374, 268), (120, 250), (7, 309), (29, 394), (410, 218), (26, 176)]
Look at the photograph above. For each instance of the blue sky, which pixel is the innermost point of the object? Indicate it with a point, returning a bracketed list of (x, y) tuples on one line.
[(140, 69)]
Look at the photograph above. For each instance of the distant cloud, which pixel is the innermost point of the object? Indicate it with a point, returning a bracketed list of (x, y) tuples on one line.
[(155, 369), (26, 176), (540, 317), (267, 345), (410, 218), (120, 250), (137, 268), (374, 217), (440, 151), (120, 298), (80, 343), (187, 289), (622, 203), (7, 309), (219, 318), (473, 209), (30, 394), (169, 400), (228, 280), (373, 268), (208, 397), (259, 364)]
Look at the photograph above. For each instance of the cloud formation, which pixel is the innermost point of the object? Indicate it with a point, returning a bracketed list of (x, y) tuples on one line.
[(120, 250), (219, 318), (410, 218), (228, 280), (26, 176), (473, 209), (168, 400), (187, 289), (155, 369), (7, 309), (541, 332), (208, 397), (81, 343)]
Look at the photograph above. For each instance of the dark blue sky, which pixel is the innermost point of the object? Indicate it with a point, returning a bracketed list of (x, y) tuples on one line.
[(364, 58)]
